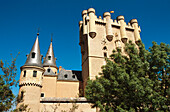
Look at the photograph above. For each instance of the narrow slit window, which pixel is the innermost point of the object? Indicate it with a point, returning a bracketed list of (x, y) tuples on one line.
[(33, 55), (49, 57), (24, 74), (34, 73), (22, 95), (105, 54), (86, 21)]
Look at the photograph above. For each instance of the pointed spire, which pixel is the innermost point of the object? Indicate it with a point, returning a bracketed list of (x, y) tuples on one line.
[(49, 59), (34, 58)]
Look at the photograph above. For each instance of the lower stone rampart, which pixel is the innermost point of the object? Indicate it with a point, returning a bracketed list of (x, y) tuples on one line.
[(65, 104)]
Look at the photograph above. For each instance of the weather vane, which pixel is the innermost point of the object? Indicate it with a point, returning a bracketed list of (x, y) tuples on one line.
[(51, 37), (38, 31)]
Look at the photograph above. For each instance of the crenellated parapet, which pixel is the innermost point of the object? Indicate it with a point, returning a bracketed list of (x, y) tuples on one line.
[(99, 36), (31, 75), (90, 21)]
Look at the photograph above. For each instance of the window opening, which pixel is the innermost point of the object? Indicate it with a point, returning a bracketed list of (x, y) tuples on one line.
[(33, 55), (86, 21), (73, 76), (48, 70), (34, 73), (105, 54), (42, 94), (22, 95), (65, 76), (49, 57), (105, 48), (24, 74)]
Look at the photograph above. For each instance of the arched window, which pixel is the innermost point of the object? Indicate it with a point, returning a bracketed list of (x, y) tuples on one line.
[(49, 57), (48, 70), (33, 55)]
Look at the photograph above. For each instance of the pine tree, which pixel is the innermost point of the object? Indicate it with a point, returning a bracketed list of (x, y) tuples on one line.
[(132, 82), (7, 80)]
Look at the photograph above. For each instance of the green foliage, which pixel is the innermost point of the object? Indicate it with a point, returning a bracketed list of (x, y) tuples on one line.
[(137, 81), (7, 80), (22, 108)]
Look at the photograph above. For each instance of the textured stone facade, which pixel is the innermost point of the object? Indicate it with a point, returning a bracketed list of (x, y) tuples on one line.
[(98, 38), (44, 87)]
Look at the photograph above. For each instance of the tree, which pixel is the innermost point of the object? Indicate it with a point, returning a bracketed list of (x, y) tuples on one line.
[(137, 81), (7, 80)]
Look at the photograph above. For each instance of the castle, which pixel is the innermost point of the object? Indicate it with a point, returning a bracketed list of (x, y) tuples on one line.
[(45, 87)]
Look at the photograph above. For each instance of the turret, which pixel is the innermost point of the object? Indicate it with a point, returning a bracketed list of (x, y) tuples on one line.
[(81, 43), (50, 60), (99, 37), (109, 33), (92, 17), (84, 16), (31, 79), (122, 28), (34, 58), (134, 24)]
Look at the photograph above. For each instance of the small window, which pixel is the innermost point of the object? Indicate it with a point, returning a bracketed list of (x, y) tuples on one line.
[(105, 54), (49, 57), (34, 73), (42, 94), (105, 48), (22, 95), (73, 76), (24, 74), (33, 55), (86, 21), (48, 70), (65, 76)]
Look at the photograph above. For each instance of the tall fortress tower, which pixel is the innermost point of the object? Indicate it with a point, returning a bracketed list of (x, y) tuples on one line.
[(31, 78), (99, 37), (46, 87)]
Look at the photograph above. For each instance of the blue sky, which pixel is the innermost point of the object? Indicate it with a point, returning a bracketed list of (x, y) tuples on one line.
[(20, 19)]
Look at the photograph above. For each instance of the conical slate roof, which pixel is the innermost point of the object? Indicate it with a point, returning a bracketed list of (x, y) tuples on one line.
[(34, 58), (49, 59)]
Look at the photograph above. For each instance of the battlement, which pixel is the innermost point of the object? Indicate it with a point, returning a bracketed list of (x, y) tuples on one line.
[(90, 20), (99, 36), (115, 22), (26, 76)]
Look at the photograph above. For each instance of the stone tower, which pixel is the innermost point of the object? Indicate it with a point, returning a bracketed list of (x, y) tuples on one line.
[(31, 79), (50, 74), (50, 60), (98, 38)]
